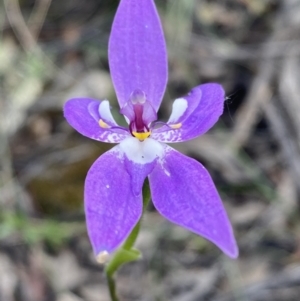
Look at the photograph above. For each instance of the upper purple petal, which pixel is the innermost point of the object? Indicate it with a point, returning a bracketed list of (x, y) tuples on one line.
[(111, 208), (137, 52), (183, 192), (201, 109), (83, 115)]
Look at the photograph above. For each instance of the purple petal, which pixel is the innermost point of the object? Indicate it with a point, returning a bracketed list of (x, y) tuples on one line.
[(138, 173), (83, 115), (140, 159), (149, 113), (137, 52), (111, 208), (138, 107), (194, 114), (183, 192)]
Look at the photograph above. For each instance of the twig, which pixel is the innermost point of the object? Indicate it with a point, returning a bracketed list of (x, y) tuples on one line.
[(260, 92), (265, 290), (37, 17), (285, 138), (19, 25)]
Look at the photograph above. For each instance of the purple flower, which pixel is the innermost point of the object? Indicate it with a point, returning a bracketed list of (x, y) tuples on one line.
[(181, 188)]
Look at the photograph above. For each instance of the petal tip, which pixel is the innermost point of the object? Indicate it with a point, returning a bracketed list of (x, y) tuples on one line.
[(232, 252), (103, 257)]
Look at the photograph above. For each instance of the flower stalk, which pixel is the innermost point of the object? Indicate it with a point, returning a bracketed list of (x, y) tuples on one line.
[(126, 253)]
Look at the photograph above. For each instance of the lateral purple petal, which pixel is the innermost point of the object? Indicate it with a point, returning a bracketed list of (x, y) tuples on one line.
[(83, 115), (137, 52), (183, 192), (111, 209), (194, 114)]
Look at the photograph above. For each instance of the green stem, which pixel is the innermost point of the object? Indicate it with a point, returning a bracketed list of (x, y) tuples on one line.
[(111, 287), (126, 253)]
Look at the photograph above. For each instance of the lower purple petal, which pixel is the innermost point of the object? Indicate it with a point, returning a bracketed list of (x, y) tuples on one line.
[(140, 157), (111, 208), (138, 174), (183, 192)]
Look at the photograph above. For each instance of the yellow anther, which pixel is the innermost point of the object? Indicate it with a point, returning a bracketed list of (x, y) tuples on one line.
[(176, 126), (141, 136), (103, 124)]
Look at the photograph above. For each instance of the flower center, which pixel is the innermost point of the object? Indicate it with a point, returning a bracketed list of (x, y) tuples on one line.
[(141, 136), (138, 128), (140, 114)]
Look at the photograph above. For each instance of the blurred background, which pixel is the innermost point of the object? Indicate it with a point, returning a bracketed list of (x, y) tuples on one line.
[(53, 50)]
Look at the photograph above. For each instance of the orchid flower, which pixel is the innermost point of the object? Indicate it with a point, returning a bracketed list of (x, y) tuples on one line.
[(181, 188)]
